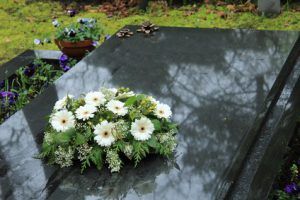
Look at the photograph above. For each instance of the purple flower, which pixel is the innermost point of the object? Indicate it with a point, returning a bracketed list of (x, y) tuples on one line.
[(66, 68), (95, 43), (63, 58), (107, 37), (2, 84), (71, 12), (37, 42), (8, 97), (63, 62), (29, 70), (291, 188)]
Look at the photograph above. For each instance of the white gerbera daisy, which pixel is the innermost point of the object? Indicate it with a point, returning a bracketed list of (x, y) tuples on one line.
[(62, 120), (117, 107), (163, 111), (95, 98), (85, 112), (141, 129), (103, 132), (60, 104)]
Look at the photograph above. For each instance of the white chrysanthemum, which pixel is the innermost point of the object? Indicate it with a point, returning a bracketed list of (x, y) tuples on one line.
[(85, 112), (95, 98), (62, 120), (163, 111), (117, 107), (153, 100), (103, 132), (141, 129), (60, 104)]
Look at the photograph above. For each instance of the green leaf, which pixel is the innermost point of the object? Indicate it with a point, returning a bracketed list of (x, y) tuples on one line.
[(80, 139), (140, 97), (156, 124), (152, 142), (64, 137), (96, 157), (130, 101)]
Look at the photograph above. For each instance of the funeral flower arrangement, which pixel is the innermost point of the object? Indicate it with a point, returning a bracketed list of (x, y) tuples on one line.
[(106, 127)]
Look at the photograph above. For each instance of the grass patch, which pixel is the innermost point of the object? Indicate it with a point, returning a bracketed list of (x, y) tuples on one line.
[(21, 22)]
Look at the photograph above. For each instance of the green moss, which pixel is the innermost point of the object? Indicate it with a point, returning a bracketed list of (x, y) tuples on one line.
[(21, 22)]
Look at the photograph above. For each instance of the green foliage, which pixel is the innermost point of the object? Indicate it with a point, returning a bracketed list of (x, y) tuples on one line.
[(28, 82), (140, 150), (86, 29), (97, 157), (156, 124)]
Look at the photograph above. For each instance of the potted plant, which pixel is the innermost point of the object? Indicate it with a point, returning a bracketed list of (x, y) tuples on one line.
[(78, 38)]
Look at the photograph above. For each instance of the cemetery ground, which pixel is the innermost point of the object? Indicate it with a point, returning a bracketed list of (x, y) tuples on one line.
[(22, 22)]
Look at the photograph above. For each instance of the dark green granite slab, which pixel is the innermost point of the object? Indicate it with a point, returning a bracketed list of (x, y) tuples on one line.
[(215, 80)]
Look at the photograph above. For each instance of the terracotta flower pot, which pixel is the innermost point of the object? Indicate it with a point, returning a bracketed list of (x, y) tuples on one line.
[(75, 50)]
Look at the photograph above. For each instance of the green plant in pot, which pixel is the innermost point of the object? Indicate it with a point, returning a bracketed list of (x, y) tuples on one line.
[(79, 38)]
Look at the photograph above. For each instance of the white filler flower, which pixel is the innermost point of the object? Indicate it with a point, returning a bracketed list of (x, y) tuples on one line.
[(60, 104), (85, 112), (62, 120), (163, 111), (103, 132), (117, 107), (141, 129), (95, 98)]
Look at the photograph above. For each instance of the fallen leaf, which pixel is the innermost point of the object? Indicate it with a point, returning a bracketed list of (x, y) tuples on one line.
[(222, 14), (231, 8)]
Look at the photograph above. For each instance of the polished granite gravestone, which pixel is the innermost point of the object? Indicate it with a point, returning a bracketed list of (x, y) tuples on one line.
[(220, 85)]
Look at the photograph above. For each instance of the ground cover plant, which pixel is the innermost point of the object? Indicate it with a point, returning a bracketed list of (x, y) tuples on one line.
[(22, 22), (287, 183), (29, 81)]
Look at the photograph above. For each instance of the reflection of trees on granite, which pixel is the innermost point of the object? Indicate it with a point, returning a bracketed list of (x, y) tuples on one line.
[(104, 185), (19, 142), (216, 102), (215, 84)]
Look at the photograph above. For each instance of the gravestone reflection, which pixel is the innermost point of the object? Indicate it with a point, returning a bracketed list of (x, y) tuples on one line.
[(215, 81)]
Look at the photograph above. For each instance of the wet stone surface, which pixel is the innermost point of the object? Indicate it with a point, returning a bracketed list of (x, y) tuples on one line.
[(215, 81)]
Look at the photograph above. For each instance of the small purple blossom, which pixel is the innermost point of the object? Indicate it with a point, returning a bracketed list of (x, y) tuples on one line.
[(66, 68), (107, 37), (63, 58), (37, 42), (95, 43), (2, 84), (29, 70), (71, 12), (8, 98), (291, 188), (55, 23), (63, 62)]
